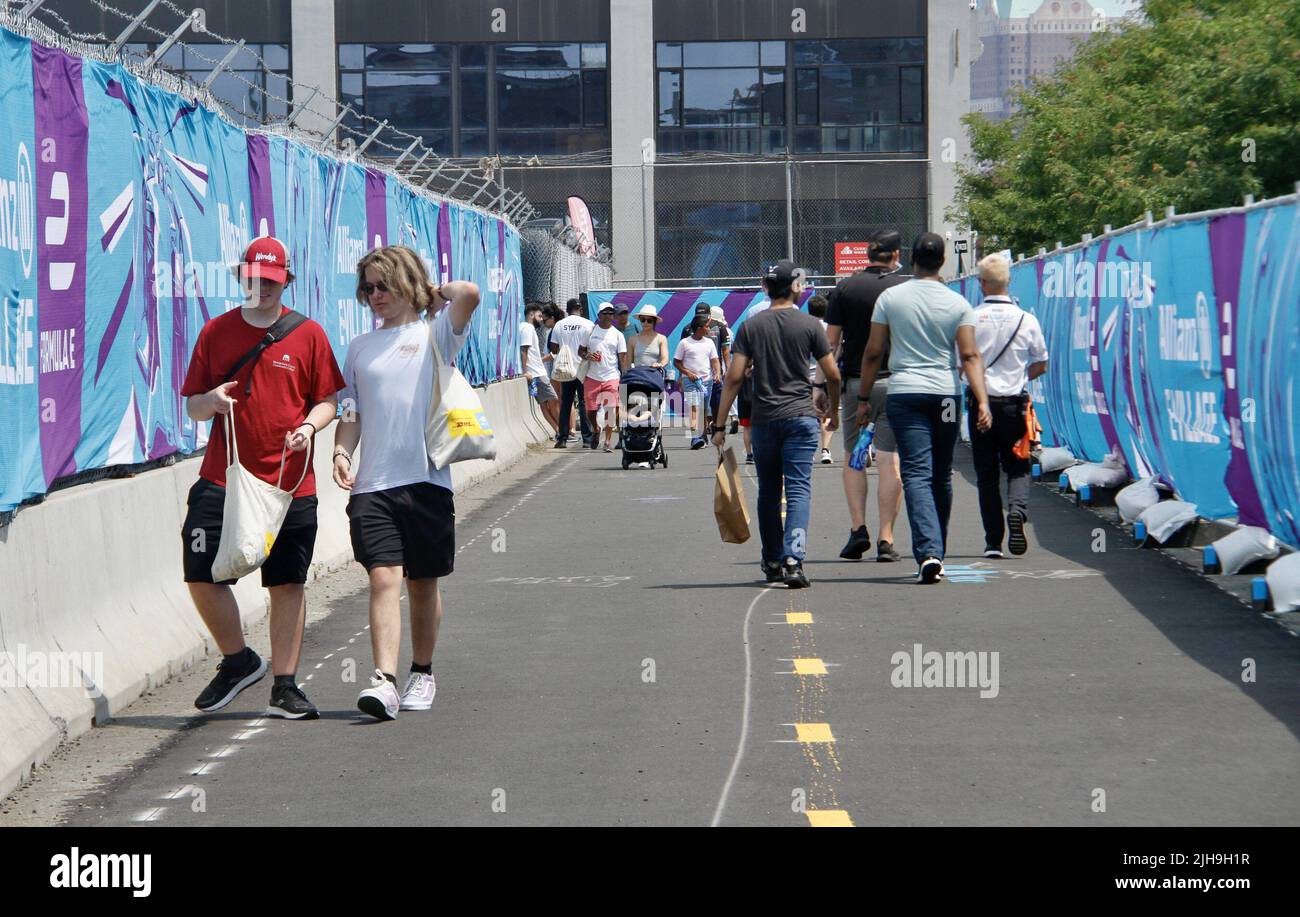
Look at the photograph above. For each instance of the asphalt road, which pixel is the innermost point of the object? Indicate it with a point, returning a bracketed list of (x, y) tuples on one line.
[(605, 660)]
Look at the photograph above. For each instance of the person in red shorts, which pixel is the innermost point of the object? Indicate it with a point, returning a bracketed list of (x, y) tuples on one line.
[(286, 394)]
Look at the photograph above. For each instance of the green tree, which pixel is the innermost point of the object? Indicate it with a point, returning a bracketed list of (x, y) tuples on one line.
[(1195, 106)]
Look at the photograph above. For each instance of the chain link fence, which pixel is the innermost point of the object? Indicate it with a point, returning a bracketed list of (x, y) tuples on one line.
[(554, 269)]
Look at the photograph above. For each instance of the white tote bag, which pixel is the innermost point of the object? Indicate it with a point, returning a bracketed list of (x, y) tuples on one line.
[(254, 512), (456, 429), (565, 368)]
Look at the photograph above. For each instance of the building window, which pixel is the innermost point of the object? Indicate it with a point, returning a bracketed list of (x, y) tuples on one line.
[(848, 96), (241, 85), (479, 99)]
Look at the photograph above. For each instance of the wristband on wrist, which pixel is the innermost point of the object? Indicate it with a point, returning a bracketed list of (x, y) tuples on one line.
[(308, 423), (864, 398)]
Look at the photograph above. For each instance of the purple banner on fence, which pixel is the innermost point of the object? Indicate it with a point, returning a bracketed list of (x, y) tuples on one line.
[(376, 209), (259, 185), (444, 244), (1227, 238), (62, 133)]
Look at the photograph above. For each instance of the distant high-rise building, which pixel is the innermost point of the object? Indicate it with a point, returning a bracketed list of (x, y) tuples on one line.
[(1023, 39)]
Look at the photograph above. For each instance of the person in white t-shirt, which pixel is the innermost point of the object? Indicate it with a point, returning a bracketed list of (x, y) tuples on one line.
[(572, 331), (696, 358), (1014, 350), (603, 354), (402, 512), (530, 358)]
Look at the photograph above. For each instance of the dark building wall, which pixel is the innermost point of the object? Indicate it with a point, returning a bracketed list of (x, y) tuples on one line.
[(471, 20), (251, 20), (749, 20)]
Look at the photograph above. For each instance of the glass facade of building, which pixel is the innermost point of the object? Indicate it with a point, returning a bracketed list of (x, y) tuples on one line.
[(862, 95), (475, 99)]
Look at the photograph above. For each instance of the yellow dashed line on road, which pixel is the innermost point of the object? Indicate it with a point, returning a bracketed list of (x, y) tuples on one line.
[(798, 617), (809, 667), (829, 818), (813, 732)]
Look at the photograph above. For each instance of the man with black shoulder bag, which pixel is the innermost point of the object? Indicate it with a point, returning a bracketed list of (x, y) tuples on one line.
[(278, 368)]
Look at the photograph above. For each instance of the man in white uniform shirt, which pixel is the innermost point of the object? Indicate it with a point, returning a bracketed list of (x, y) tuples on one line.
[(573, 330), (1014, 350)]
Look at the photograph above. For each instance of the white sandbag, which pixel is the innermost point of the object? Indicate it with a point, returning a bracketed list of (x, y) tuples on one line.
[(1137, 497), (1164, 519), (1104, 475), (1055, 459), (1243, 547), (1283, 579)]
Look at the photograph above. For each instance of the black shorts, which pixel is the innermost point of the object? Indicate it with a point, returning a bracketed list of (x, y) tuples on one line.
[(290, 556), (745, 400), (412, 526)]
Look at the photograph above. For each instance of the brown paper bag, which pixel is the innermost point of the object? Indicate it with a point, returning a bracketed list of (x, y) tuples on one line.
[(729, 500)]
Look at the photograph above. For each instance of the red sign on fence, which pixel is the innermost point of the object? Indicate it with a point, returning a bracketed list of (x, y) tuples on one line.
[(850, 257)]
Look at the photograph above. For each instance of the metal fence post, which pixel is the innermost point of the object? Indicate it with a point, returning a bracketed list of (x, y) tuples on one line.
[(645, 221), (789, 206)]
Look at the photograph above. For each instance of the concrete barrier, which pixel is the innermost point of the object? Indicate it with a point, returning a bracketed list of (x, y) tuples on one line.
[(91, 591)]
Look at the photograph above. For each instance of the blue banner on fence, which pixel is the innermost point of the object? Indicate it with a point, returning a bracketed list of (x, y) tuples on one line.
[(122, 208), (1174, 347)]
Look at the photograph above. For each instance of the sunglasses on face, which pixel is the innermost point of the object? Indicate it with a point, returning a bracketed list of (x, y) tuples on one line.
[(369, 288)]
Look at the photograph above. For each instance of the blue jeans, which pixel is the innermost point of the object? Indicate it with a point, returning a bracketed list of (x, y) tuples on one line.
[(783, 456), (926, 429)]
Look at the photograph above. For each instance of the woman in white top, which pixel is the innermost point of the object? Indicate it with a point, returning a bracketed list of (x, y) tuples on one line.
[(401, 511), (649, 347)]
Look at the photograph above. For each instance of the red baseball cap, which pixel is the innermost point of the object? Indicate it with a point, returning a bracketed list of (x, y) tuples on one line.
[(266, 257)]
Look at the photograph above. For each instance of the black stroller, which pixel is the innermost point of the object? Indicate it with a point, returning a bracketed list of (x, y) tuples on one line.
[(642, 440)]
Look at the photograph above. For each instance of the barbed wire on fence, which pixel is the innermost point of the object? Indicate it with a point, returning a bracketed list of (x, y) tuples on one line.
[(464, 183)]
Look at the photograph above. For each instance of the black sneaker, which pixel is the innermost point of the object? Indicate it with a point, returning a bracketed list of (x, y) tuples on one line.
[(561, 444), (1017, 543), (749, 458), (697, 443), (772, 572), (931, 571), (992, 553), (859, 544), (885, 553), (735, 427), (229, 681), (288, 702), (792, 574)]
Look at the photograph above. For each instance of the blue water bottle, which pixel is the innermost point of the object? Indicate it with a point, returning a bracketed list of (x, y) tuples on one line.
[(858, 460)]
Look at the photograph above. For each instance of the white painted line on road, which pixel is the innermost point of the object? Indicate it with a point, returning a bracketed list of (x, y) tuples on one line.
[(253, 724), (744, 715), (319, 664), (330, 656), (246, 734), (178, 792), (206, 767), (149, 815), (225, 752)]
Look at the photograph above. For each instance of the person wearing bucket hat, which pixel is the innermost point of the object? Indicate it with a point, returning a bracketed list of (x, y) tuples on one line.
[(285, 397), (647, 347)]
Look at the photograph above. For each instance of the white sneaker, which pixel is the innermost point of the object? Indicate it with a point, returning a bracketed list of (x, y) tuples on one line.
[(826, 457), (380, 700), (419, 692), (931, 570)]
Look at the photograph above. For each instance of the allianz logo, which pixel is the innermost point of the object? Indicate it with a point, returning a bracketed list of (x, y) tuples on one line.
[(18, 211)]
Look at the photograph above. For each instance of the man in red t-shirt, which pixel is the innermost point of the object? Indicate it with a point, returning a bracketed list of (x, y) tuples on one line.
[(285, 397)]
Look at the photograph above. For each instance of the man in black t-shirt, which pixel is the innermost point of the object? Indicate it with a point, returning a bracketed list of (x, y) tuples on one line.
[(780, 343), (848, 321)]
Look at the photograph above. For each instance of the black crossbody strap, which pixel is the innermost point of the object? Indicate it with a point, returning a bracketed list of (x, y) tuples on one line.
[(1008, 343), (283, 327)]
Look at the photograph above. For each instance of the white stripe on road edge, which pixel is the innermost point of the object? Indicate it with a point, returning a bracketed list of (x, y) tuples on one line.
[(744, 715), (149, 815)]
